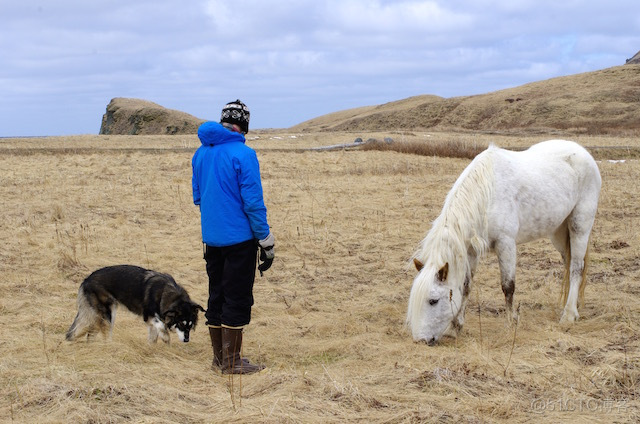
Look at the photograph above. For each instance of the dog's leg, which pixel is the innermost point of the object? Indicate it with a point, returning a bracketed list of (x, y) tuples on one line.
[(90, 328), (77, 333), (163, 331), (153, 330), (104, 329), (164, 335), (112, 322), (104, 317), (157, 328), (91, 333)]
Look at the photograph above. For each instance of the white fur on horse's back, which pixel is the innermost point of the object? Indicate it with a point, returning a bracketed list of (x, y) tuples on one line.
[(543, 183)]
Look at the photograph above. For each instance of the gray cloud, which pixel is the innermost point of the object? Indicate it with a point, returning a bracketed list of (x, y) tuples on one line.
[(289, 60)]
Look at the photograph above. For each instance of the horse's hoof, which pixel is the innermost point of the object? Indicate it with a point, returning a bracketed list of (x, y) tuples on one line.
[(511, 319), (568, 318)]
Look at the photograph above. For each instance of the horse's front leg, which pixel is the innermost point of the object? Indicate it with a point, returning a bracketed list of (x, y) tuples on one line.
[(459, 320), (466, 288), (506, 251)]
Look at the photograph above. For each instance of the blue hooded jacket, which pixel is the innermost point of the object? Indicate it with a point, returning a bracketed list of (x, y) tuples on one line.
[(226, 184)]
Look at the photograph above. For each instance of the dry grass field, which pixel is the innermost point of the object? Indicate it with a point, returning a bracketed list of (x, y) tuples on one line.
[(329, 315)]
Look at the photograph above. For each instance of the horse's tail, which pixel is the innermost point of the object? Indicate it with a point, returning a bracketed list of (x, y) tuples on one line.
[(566, 280)]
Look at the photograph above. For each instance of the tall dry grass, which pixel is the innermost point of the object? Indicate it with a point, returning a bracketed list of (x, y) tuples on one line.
[(459, 148), (467, 146), (328, 318)]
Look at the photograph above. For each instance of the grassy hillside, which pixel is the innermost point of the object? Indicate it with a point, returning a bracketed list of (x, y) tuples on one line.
[(600, 102)]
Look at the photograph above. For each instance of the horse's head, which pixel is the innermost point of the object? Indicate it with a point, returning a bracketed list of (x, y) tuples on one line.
[(436, 303)]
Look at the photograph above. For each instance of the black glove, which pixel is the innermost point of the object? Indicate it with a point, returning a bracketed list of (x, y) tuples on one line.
[(266, 256), (266, 253)]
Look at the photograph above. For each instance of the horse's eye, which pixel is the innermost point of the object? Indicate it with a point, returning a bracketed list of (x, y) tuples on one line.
[(433, 301)]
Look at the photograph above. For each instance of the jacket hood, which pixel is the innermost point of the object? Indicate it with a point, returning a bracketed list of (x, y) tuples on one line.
[(213, 133)]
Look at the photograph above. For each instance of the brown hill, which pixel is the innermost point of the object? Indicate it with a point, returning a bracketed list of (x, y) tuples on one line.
[(635, 60), (600, 102), (135, 116)]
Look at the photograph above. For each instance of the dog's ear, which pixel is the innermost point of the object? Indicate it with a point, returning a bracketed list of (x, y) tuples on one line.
[(169, 315), (196, 306)]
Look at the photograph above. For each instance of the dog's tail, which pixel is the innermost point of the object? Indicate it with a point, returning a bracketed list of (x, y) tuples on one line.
[(85, 320)]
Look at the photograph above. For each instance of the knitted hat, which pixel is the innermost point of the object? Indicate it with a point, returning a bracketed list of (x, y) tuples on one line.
[(236, 113)]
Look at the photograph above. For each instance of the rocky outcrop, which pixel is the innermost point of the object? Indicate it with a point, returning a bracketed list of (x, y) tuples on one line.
[(135, 117), (635, 60)]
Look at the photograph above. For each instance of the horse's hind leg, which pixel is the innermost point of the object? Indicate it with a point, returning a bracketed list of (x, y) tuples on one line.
[(506, 251), (579, 231)]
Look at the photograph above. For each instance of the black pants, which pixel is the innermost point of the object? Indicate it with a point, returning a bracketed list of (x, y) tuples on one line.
[(231, 271)]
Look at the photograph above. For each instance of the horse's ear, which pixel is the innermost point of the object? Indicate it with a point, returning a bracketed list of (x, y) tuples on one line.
[(418, 264), (443, 273)]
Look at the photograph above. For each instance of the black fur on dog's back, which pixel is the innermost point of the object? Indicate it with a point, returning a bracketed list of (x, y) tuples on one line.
[(138, 289), (144, 292)]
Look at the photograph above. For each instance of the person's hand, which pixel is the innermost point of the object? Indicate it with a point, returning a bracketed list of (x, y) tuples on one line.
[(267, 252), (266, 245)]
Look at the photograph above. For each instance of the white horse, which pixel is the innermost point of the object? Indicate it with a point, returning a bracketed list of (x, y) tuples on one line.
[(504, 198)]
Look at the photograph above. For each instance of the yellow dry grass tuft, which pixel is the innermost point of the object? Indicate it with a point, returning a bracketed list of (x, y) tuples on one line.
[(328, 318)]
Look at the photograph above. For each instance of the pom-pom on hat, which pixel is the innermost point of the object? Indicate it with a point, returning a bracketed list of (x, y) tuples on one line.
[(236, 113)]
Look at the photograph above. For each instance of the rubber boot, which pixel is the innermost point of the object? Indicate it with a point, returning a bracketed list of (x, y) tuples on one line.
[(232, 362), (215, 332)]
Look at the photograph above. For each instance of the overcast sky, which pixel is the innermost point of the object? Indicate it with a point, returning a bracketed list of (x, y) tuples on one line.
[(62, 61)]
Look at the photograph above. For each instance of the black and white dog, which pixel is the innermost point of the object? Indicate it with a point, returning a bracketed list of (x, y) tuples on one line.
[(163, 304)]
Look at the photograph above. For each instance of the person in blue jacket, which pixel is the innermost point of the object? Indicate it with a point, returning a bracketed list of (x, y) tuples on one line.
[(228, 189)]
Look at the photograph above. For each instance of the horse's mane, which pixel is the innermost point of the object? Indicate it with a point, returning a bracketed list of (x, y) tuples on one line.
[(460, 229), (462, 224)]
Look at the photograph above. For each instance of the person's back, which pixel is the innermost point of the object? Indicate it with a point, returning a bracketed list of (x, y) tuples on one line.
[(227, 188)]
